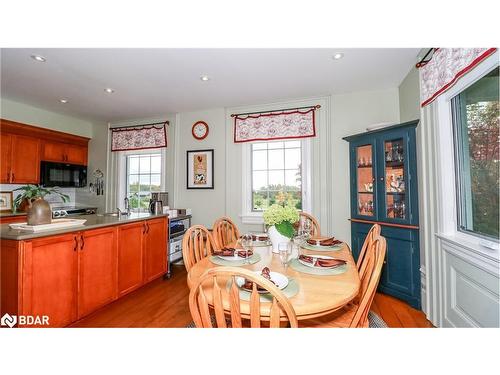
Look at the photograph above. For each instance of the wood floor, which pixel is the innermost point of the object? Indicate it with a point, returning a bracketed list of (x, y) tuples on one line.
[(164, 303)]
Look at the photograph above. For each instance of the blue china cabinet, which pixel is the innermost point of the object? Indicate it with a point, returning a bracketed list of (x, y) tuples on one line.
[(383, 173)]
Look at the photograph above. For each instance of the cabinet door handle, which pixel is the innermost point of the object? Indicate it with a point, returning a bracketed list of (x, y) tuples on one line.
[(147, 225), (76, 243), (143, 228), (8, 176), (13, 177), (381, 179), (83, 242)]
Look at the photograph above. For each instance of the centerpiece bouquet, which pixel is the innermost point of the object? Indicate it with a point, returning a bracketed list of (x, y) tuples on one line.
[(280, 221)]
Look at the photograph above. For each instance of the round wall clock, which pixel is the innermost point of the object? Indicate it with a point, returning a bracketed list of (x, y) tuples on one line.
[(200, 130)]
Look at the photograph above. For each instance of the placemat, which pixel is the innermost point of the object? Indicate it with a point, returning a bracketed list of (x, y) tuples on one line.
[(297, 266), (222, 262), (291, 289), (305, 245)]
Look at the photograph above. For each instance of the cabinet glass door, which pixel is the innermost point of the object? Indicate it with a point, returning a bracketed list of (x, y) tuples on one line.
[(395, 179), (365, 181)]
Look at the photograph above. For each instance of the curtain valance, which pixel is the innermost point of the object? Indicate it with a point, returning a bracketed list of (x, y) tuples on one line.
[(271, 125), (445, 67), (139, 137)]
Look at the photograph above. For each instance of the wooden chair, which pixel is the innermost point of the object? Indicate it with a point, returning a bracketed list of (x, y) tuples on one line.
[(314, 223), (197, 244), (225, 232), (212, 289), (356, 315), (373, 233)]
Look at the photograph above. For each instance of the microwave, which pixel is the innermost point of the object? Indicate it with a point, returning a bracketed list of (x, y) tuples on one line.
[(62, 174)]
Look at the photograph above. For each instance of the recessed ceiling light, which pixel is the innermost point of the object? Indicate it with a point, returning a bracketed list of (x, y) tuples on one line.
[(38, 58), (64, 101), (205, 78), (338, 56), (109, 90)]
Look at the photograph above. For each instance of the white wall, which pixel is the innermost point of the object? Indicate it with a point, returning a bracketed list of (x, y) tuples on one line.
[(409, 96)]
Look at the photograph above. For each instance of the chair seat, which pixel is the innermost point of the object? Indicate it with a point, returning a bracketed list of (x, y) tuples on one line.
[(338, 319)]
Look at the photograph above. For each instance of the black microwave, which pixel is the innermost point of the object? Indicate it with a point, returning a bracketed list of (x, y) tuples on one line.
[(62, 174)]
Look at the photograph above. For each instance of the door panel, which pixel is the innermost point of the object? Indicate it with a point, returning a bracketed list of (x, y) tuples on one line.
[(54, 151), (97, 269), (363, 174), (76, 154), (25, 160), (155, 251), (5, 157), (130, 257), (50, 279)]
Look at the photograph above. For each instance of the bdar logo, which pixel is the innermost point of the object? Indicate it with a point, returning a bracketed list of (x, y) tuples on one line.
[(8, 320)]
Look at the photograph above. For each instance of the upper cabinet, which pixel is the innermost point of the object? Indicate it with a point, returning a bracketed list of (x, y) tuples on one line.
[(384, 176), (24, 146)]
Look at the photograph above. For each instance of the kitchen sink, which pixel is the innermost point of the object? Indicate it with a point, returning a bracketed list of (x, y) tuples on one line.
[(109, 214)]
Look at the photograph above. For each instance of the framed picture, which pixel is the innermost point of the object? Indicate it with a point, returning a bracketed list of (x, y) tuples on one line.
[(6, 201), (200, 169)]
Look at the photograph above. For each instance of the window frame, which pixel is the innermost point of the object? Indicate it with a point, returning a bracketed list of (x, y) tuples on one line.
[(139, 174)]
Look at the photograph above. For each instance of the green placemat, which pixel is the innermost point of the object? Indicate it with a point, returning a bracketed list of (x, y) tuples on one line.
[(222, 262), (305, 245), (291, 289), (297, 266), (261, 244)]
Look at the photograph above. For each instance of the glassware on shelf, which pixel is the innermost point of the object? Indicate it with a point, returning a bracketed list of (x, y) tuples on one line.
[(388, 156)]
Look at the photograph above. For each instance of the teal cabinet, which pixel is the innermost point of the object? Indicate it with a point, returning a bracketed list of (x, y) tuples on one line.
[(383, 174)]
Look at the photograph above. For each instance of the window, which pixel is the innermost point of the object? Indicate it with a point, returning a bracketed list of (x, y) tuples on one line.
[(276, 174), (476, 127), (143, 177)]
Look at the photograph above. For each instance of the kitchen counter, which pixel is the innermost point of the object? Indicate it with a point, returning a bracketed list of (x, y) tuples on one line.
[(93, 222)]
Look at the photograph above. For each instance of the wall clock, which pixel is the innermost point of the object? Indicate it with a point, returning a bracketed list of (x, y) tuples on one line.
[(200, 130)]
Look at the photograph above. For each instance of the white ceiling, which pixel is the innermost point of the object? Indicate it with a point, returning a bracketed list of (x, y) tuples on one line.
[(151, 82)]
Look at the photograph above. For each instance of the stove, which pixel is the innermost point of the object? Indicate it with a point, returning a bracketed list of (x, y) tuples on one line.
[(63, 211)]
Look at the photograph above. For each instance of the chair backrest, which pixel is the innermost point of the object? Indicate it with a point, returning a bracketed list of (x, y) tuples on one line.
[(225, 232), (370, 277), (212, 289), (197, 244), (373, 233), (314, 223)]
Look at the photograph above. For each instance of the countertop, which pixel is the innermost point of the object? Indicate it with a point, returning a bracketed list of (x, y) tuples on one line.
[(93, 222)]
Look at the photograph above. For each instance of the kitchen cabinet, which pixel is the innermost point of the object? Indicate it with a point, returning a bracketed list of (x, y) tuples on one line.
[(64, 153), (20, 159), (383, 175), (12, 219), (49, 279), (155, 256), (130, 257), (97, 269)]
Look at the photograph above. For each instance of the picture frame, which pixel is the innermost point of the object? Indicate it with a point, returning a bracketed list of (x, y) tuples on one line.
[(6, 201), (200, 169)]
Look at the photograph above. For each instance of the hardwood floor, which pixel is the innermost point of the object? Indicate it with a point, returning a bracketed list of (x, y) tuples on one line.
[(164, 303)]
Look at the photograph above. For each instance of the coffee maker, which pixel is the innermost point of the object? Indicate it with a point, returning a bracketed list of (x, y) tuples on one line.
[(157, 202)]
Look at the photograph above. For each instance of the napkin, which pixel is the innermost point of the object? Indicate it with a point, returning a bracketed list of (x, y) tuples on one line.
[(322, 262), (225, 252), (326, 242), (242, 253), (260, 237)]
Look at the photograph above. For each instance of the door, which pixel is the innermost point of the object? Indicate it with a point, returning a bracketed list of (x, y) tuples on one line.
[(97, 269), (25, 160), (155, 249), (394, 177), (50, 275), (130, 257), (54, 151), (76, 154), (363, 202), (5, 157)]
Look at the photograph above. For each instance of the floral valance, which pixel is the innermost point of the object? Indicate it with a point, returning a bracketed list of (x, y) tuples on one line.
[(283, 124), (139, 137), (445, 67)]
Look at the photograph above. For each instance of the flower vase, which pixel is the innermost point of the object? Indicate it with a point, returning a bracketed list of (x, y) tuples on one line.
[(276, 237)]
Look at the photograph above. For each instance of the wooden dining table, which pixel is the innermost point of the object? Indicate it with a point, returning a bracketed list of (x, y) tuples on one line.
[(318, 295)]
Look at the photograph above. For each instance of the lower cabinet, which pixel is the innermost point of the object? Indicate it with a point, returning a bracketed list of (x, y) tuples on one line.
[(97, 260), (401, 271), (69, 276)]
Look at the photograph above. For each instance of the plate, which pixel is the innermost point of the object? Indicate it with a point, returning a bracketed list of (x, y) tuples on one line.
[(312, 264), (233, 258), (306, 245), (280, 280)]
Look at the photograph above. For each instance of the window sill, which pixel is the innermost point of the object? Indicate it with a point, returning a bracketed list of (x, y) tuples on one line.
[(252, 218), (472, 244)]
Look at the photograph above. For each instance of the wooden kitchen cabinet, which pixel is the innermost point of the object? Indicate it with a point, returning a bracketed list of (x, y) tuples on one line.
[(20, 159), (130, 257), (97, 269), (49, 279), (64, 153), (155, 254)]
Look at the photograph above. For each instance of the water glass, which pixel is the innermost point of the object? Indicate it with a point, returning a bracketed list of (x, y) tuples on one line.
[(307, 228), (285, 251), (246, 243)]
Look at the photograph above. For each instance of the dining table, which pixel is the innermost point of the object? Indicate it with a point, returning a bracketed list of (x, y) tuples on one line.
[(317, 294)]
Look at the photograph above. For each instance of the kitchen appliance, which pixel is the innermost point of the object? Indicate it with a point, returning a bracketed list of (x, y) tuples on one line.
[(63, 211), (175, 249), (155, 207), (62, 174), (160, 196)]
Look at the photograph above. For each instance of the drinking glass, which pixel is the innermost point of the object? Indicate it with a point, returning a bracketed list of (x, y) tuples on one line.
[(246, 243), (297, 243), (285, 250), (307, 227)]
